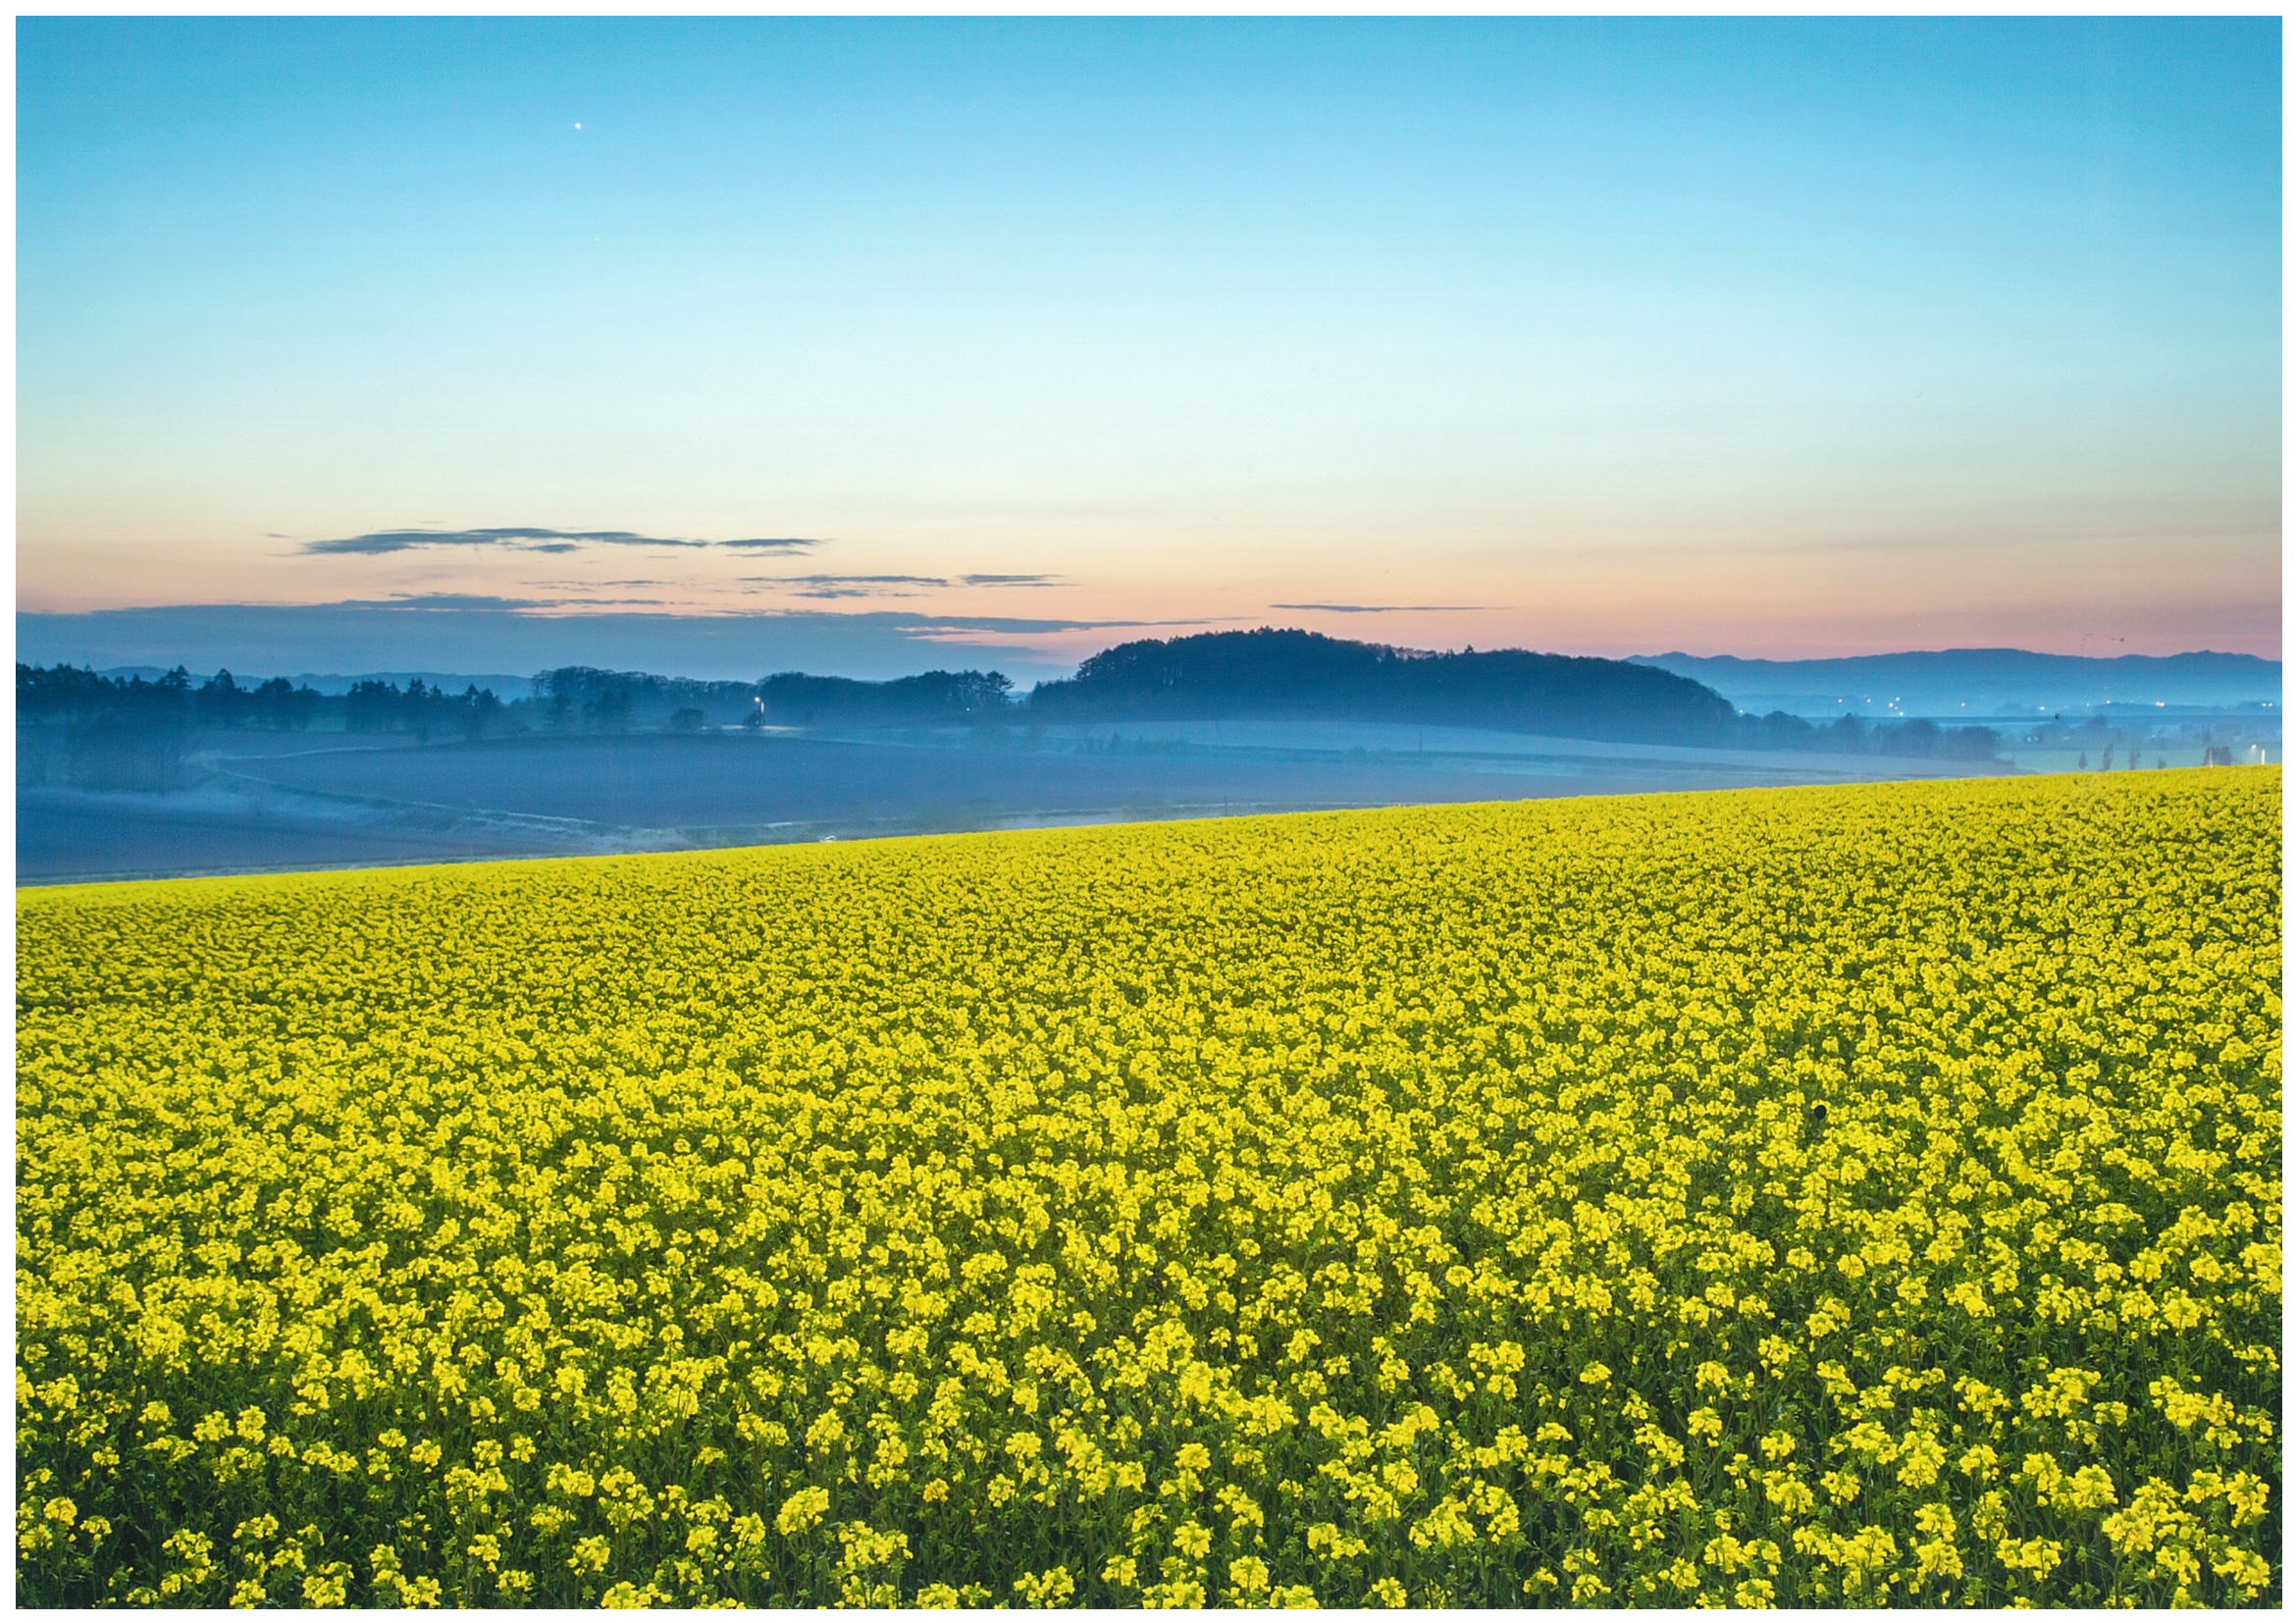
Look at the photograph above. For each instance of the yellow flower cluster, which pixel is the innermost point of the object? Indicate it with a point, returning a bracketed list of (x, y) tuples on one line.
[(1847, 1195)]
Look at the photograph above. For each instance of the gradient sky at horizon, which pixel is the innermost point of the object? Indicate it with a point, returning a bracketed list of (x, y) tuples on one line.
[(1774, 338)]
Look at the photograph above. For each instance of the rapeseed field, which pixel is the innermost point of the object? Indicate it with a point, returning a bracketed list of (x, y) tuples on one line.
[(1862, 1195)]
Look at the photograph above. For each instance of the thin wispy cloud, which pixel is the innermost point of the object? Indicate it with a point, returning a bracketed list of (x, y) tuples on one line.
[(951, 624), (848, 586), (448, 600), (443, 601), (889, 586), (525, 538), (1381, 608)]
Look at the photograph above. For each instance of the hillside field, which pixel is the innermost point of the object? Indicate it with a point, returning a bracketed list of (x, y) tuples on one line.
[(1860, 1194)]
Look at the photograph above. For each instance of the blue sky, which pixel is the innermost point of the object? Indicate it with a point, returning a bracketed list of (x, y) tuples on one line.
[(1771, 338)]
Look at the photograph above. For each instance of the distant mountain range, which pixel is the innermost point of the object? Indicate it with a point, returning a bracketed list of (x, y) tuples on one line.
[(1977, 682)]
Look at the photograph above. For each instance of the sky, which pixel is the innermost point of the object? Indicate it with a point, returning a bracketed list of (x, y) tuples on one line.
[(887, 344)]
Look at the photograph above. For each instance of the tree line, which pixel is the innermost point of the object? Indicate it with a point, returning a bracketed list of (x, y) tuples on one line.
[(65, 694), (79, 727), (572, 699), (580, 698), (1920, 738), (134, 732)]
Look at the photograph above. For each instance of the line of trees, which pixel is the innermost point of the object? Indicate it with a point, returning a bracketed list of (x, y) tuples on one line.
[(577, 699), (1850, 735), (81, 728), (426, 711), (572, 699), (133, 730), (580, 698), (76, 728), (938, 696), (69, 694)]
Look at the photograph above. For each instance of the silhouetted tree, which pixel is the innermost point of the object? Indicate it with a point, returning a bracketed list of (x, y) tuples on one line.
[(221, 703), (282, 706), (607, 710), (371, 706), (478, 713), (417, 709)]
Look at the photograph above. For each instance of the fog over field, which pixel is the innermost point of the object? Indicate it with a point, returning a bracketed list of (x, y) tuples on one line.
[(274, 803)]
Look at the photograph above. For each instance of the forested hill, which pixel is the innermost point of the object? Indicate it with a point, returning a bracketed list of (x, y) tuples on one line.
[(1304, 674)]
